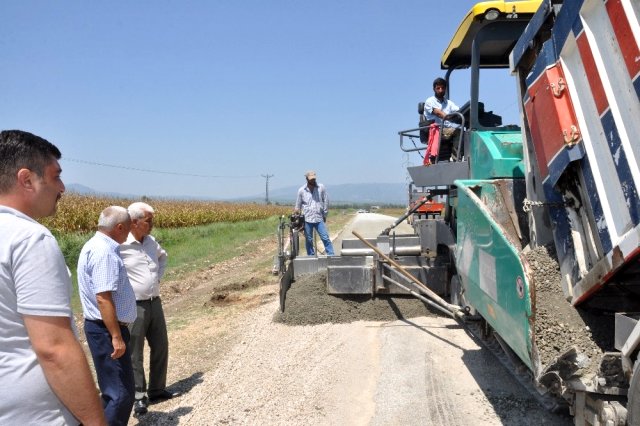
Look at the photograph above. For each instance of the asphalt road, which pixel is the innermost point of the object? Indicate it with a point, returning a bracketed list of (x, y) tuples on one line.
[(432, 370)]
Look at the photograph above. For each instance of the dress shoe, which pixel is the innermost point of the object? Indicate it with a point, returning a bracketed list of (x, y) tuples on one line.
[(162, 396), (140, 406)]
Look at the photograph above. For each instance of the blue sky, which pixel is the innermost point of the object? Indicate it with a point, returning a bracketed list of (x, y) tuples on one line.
[(227, 90)]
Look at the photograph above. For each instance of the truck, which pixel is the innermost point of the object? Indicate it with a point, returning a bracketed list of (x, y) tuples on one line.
[(536, 247)]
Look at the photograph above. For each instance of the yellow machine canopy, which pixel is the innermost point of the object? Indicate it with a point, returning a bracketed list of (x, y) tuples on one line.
[(500, 24)]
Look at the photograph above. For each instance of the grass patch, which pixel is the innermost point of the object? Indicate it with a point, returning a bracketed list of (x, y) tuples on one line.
[(189, 249), (194, 248)]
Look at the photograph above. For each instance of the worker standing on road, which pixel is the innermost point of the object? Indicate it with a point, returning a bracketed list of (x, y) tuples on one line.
[(145, 261), (313, 201)]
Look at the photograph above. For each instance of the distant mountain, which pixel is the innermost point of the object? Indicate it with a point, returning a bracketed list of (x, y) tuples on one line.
[(347, 193), (79, 189), (85, 190)]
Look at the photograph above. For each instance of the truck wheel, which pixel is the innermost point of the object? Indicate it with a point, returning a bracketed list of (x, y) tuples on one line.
[(633, 404)]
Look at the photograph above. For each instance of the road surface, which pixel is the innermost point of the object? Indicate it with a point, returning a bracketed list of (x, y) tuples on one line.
[(405, 370)]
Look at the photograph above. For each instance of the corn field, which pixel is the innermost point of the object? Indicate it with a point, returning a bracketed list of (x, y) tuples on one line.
[(79, 213)]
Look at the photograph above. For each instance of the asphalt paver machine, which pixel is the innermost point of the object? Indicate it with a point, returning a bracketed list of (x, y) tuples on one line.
[(565, 179)]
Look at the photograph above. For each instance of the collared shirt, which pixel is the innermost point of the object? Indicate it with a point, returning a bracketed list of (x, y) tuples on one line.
[(101, 269), (145, 262), (314, 204), (34, 280), (447, 106)]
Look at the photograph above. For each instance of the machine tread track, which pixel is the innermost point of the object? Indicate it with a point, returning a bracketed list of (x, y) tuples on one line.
[(442, 410), (518, 369)]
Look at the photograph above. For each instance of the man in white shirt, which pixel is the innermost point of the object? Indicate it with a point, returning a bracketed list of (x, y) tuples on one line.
[(44, 375), (145, 261)]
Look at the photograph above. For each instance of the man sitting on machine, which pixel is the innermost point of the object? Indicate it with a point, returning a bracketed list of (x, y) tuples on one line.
[(443, 131)]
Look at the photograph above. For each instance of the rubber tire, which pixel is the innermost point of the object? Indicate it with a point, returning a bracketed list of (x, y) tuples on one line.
[(633, 404)]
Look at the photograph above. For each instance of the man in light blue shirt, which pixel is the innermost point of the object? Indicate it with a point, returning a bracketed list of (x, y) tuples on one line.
[(313, 201), (437, 107), (109, 306)]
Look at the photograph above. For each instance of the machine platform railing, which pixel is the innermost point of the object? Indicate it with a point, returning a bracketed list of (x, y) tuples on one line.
[(412, 134)]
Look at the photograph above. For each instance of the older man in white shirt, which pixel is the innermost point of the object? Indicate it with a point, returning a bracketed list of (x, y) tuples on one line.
[(145, 261)]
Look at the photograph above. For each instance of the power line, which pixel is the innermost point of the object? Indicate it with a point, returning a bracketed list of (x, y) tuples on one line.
[(94, 163)]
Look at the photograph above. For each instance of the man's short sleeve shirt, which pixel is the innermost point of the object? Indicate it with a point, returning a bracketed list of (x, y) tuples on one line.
[(447, 106), (101, 269), (34, 280), (145, 263)]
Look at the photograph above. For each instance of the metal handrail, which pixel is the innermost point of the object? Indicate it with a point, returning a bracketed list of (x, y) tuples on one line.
[(408, 134)]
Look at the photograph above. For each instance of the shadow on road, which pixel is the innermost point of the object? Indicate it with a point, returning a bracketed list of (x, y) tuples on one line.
[(172, 417), (185, 385), (398, 312)]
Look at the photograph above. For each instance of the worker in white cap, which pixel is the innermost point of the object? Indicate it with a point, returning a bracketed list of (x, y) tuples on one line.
[(313, 201)]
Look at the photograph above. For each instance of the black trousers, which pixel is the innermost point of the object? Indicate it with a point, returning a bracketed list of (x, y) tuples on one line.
[(150, 325)]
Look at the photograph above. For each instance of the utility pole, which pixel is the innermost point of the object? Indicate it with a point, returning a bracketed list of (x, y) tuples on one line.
[(267, 177)]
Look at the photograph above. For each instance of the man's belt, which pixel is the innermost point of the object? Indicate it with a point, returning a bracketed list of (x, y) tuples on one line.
[(100, 322), (151, 299)]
